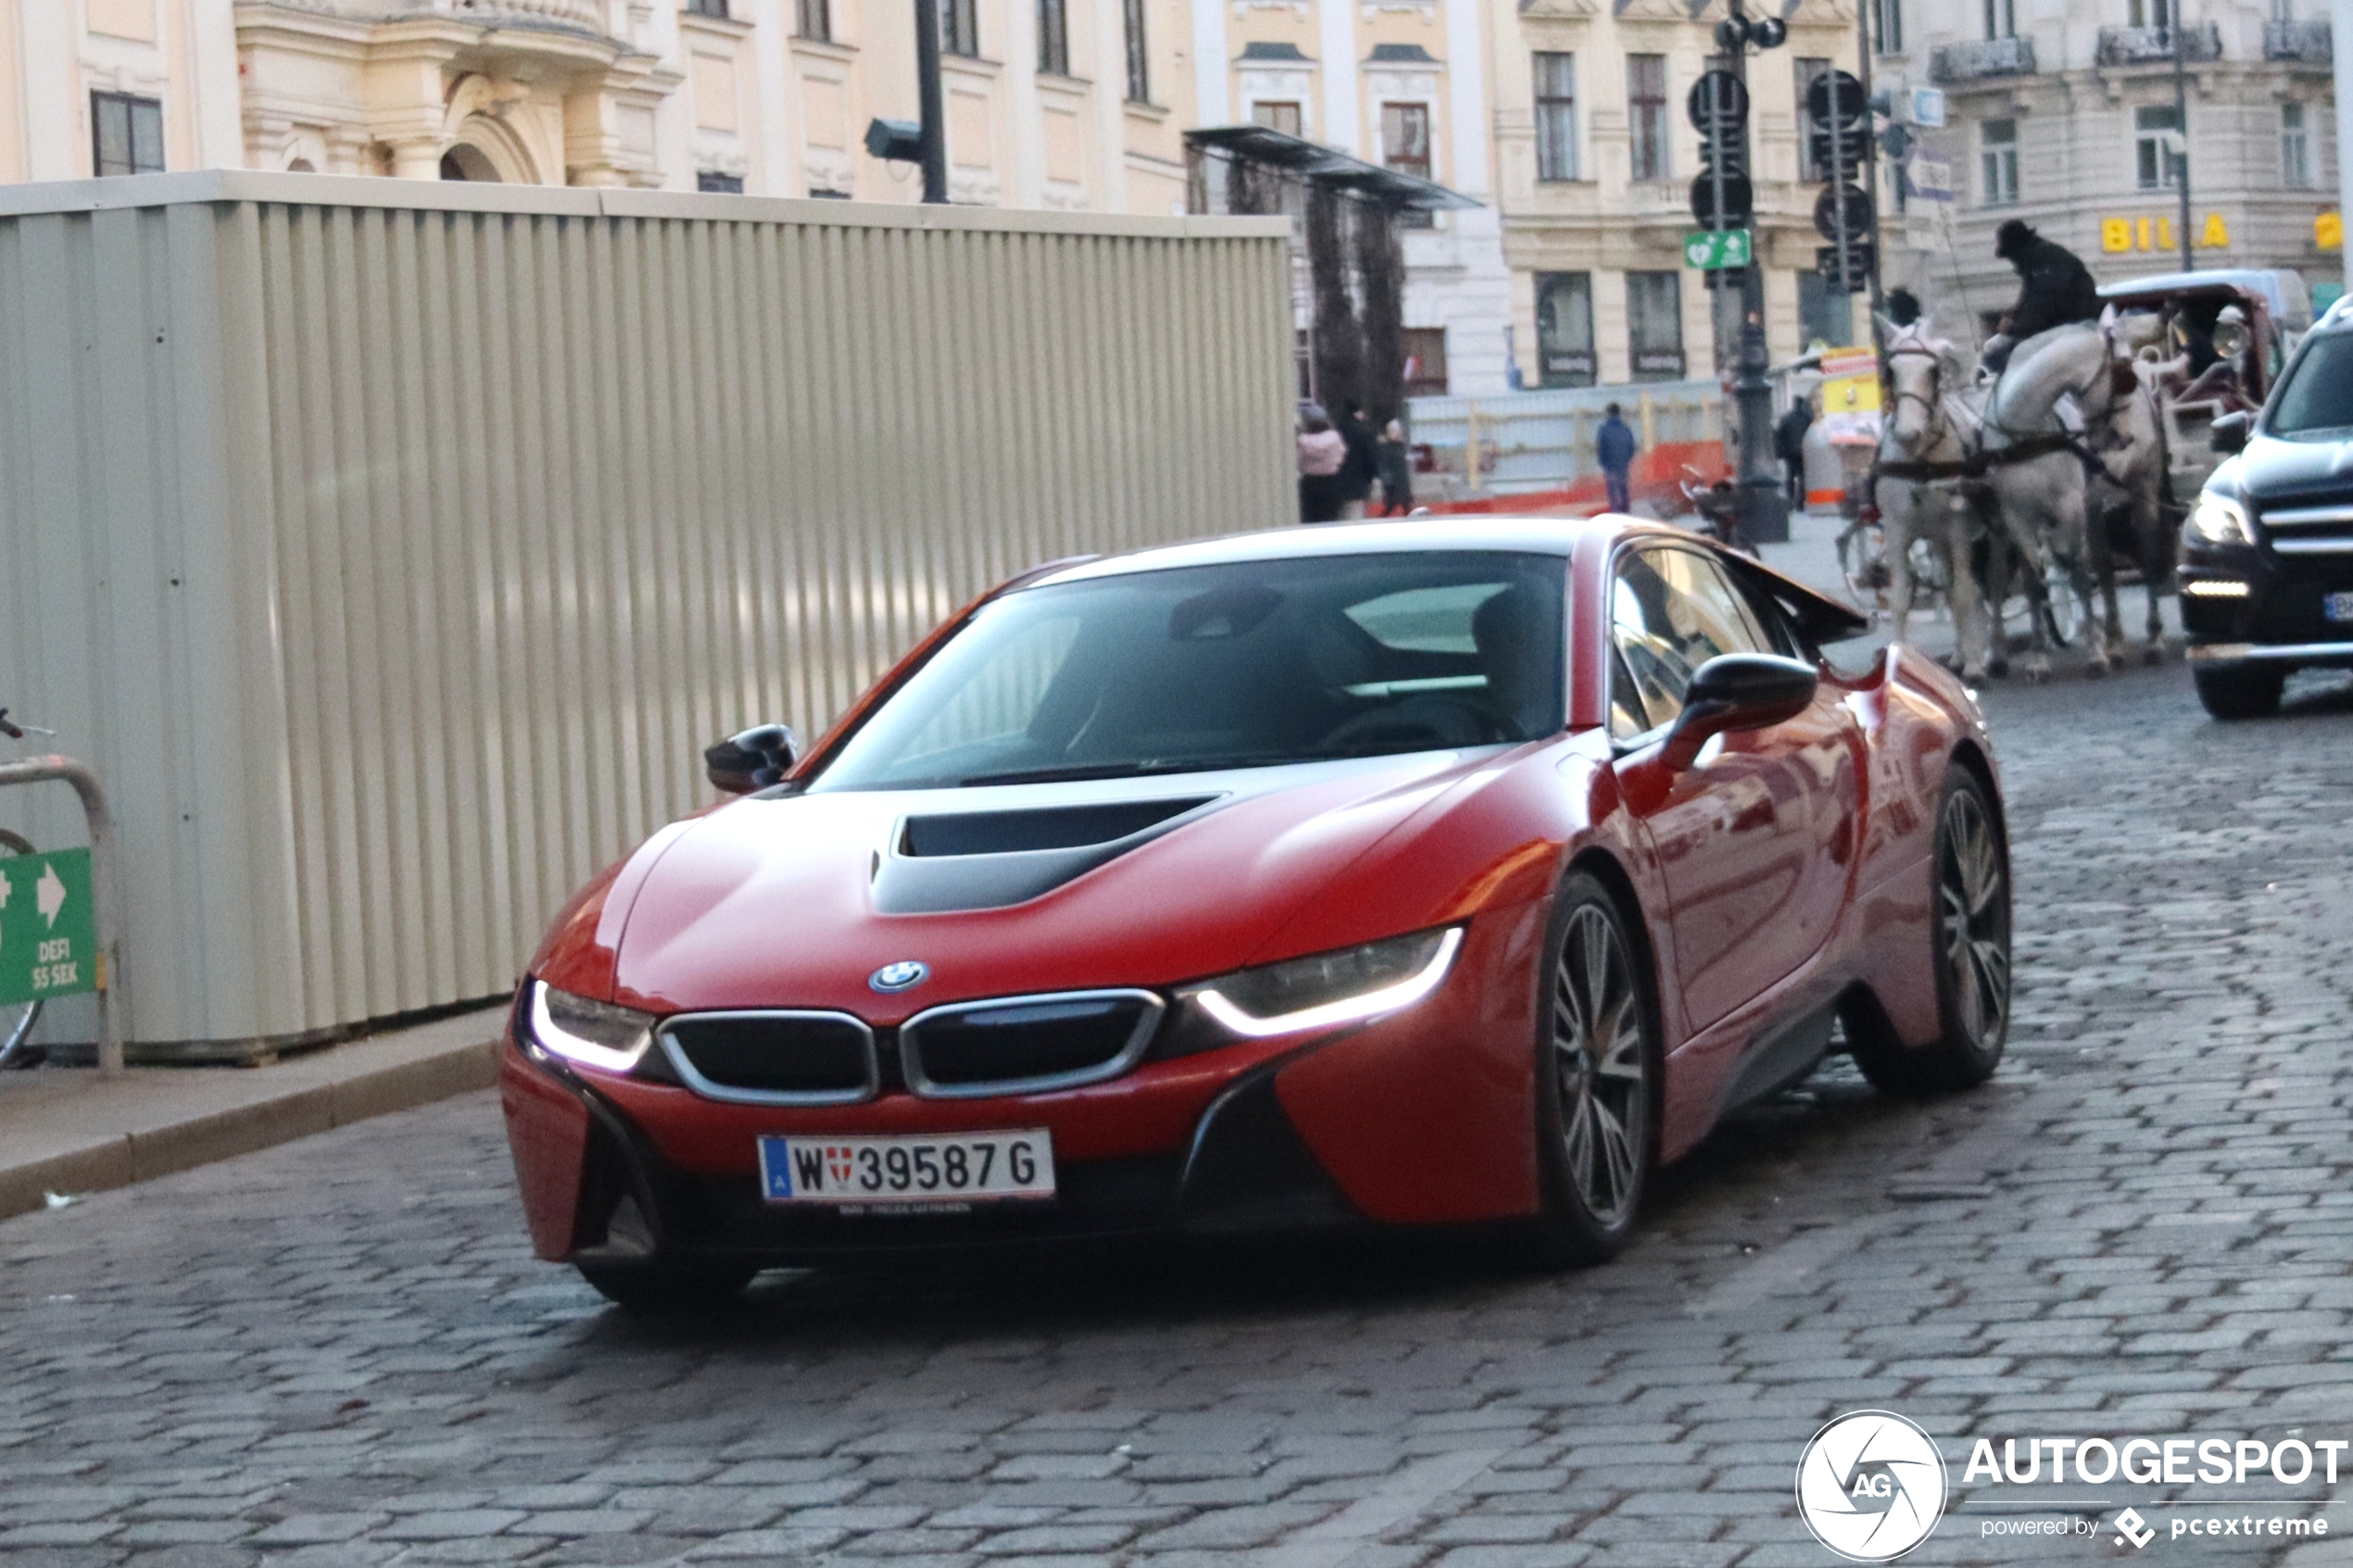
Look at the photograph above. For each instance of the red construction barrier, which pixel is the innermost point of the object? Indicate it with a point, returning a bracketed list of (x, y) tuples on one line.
[(1657, 478)]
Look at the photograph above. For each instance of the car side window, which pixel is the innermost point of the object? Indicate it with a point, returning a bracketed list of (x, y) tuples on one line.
[(1671, 610)]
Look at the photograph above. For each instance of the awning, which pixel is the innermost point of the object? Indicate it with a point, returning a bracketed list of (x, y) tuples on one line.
[(1314, 164)]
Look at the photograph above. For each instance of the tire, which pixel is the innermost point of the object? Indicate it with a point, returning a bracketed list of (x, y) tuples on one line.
[(16, 1022), (1597, 1079), (1969, 890), (2243, 692), (654, 1287)]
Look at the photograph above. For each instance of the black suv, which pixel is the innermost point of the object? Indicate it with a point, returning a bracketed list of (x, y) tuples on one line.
[(2266, 569)]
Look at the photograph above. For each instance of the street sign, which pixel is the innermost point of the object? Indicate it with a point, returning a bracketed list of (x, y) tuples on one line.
[(48, 926), (1929, 179), (1858, 259), (1835, 95), (1739, 200), (1711, 249), (1858, 213), (1717, 99)]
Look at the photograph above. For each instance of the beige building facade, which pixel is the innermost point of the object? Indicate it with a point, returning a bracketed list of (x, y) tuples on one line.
[(1078, 104), (1595, 155)]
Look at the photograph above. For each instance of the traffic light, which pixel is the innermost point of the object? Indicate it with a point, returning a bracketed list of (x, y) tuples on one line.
[(1839, 144), (1722, 196)]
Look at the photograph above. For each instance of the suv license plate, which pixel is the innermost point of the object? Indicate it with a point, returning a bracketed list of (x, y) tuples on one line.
[(2337, 606), (908, 1170)]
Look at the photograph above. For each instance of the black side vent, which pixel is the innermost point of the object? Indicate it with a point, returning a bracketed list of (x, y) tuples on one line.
[(1059, 827)]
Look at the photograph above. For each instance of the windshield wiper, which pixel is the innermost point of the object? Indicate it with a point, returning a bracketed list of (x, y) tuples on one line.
[(1144, 768)]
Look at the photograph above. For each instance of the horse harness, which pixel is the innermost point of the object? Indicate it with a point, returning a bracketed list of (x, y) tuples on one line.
[(1978, 461)]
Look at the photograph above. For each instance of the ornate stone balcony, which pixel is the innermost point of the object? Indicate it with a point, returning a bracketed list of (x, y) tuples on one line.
[(2303, 42), (1957, 64), (2154, 45)]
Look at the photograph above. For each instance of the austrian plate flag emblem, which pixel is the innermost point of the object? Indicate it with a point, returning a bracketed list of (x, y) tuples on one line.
[(837, 1164)]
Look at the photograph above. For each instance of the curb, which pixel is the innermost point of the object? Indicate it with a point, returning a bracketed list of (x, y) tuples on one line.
[(78, 1135)]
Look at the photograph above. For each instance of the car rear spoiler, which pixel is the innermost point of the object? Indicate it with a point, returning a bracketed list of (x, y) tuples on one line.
[(1818, 618)]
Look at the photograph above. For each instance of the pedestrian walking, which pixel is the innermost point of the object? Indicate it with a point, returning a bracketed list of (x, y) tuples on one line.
[(1396, 466), (1362, 466), (1789, 446), (1615, 444), (1322, 452)]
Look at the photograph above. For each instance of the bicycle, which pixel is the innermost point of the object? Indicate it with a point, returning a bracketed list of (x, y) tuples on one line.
[(1862, 559), (16, 1021)]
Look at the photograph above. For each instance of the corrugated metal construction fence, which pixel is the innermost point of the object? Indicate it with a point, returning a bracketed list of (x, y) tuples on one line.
[(394, 548)]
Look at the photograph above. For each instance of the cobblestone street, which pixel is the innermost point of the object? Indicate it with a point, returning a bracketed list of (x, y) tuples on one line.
[(340, 1351)]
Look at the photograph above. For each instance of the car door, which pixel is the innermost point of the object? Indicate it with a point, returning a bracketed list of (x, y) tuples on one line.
[(1752, 839)]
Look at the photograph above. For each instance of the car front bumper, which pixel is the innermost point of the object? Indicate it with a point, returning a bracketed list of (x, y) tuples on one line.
[(2244, 605)]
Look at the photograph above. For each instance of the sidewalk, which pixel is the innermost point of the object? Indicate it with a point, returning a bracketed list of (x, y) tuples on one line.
[(63, 1130)]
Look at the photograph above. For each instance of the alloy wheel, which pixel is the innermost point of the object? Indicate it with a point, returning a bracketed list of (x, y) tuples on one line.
[(1602, 1066), (1974, 914)]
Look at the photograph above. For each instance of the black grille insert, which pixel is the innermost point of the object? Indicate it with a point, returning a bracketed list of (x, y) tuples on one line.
[(773, 1058), (1056, 827), (1027, 1045)]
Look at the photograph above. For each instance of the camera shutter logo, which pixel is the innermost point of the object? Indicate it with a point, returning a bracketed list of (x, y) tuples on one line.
[(1870, 1485)]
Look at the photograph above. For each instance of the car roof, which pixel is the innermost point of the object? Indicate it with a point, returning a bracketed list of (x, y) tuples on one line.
[(1530, 535), (2292, 306)]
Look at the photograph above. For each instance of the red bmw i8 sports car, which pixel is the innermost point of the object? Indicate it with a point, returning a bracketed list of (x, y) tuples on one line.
[(1407, 873)]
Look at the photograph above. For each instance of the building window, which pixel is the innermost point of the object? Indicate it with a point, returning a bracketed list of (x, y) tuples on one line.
[(1284, 118), (1646, 114), (1810, 69), (126, 134), (1887, 26), (1564, 330), (1054, 37), (2001, 18), (1139, 80), (1825, 316), (711, 179), (813, 19), (1555, 117), (1425, 361), (708, 8), (1404, 138), (2156, 147), (1655, 324), (1997, 162), (959, 27), (2295, 149), (2150, 13)]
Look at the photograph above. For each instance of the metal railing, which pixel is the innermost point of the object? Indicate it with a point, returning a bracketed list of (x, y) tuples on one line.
[(2304, 42), (103, 889), (2154, 45), (1976, 62)]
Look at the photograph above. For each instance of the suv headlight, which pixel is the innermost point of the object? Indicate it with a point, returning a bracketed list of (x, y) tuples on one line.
[(1322, 990), (2218, 520), (593, 1034)]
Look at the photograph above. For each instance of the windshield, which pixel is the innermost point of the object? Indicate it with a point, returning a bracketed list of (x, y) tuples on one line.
[(1241, 665), (2318, 394)]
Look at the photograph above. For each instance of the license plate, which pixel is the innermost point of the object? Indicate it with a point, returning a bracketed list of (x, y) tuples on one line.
[(2337, 606), (895, 1171)]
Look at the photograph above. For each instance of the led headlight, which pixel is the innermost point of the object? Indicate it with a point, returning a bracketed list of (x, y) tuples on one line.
[(1325, 989), (2217, 519), (593, 1034)]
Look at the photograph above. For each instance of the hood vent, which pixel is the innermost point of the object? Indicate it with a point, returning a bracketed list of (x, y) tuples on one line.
[(994, 859), (1057, 827)]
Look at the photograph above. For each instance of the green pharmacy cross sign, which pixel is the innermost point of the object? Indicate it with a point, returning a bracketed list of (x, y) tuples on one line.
[(1712, 250), (48, 926)]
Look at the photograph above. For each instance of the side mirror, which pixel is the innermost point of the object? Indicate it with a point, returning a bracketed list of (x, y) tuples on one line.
[(1738, 691), (752, 760), (2229, 433)]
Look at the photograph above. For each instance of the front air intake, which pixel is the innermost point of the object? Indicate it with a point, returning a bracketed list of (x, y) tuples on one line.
[(1053, 827), (773, 1058), (1027, 1045)]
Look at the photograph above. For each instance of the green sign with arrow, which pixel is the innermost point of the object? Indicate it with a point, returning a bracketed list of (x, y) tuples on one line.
[(48, 926), (1712, 250)]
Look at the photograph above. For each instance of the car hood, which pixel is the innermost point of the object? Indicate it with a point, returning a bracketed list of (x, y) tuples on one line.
[(798, 900), (2274, 469)]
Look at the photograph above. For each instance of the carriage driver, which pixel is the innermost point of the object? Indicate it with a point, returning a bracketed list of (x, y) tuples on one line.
[(2055, 289)]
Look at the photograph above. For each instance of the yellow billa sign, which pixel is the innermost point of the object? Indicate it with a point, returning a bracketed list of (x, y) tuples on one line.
[(2156, 233), (2328, 232)]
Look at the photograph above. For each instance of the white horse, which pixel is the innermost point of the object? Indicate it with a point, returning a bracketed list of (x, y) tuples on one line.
[(2035, 475), (2131, 446), (1921, 449)]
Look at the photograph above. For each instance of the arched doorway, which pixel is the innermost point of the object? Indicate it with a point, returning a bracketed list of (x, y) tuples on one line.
[(466, 162)]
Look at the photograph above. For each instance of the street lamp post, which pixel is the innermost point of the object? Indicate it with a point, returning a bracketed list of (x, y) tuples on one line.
[(933, 106), (2341, 43), (2182, 126), (1763, 504)]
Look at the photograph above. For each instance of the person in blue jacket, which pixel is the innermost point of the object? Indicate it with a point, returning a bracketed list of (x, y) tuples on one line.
[(1615, 444)]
